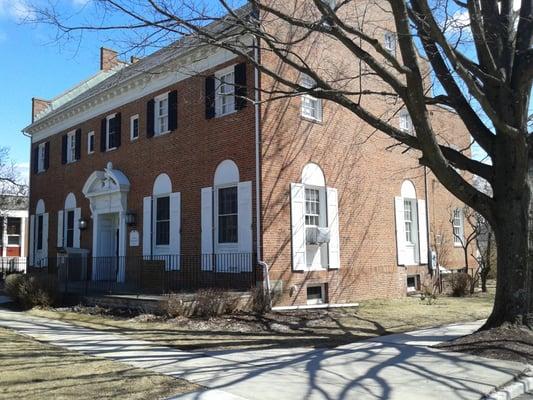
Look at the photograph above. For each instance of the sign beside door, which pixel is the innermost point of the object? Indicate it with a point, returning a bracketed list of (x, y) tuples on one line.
[(134, 238)]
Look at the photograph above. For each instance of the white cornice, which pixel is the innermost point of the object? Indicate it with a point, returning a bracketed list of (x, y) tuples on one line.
[(146, 82)]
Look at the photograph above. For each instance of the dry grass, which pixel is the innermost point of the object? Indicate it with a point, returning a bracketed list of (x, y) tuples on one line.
[(318, 328), (33, 370)]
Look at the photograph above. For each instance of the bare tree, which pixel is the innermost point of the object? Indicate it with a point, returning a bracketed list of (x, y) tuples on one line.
[(12, 186), (479, 66)]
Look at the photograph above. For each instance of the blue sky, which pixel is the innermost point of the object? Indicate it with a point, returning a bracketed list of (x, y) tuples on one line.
[(34, 65)]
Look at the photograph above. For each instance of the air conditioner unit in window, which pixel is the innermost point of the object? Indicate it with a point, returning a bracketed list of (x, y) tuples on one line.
[(317, 235)]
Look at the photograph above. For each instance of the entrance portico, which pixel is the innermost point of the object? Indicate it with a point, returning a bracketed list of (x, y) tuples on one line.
[(107, 192)]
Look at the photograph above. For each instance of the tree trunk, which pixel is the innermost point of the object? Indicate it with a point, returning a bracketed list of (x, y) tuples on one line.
[(513, 230)]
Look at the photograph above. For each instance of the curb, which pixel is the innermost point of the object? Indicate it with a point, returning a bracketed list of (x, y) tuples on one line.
[(519, 386)]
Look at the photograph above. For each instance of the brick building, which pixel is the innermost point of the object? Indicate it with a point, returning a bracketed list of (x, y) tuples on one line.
[(164, 159)]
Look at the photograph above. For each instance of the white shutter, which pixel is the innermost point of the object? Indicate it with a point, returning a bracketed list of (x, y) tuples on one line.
[(400, 231), (422, 232), (245, 225), (207, 228), (298, 226), (31, 251), (175, 229), (60, 228), (147, 226), (77, 216), (45, 240), (333, 225)]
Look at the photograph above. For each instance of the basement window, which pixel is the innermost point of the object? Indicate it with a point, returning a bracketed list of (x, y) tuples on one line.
[(316, 294)]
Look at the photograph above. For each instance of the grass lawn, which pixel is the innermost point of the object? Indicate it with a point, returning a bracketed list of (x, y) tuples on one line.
[(318, 328), (33, 370)]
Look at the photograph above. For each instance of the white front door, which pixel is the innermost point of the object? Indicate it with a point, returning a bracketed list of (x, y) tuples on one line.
[(106, 260)]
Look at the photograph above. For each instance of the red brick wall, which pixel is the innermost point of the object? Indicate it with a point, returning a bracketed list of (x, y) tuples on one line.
[(188, 155), (367, 173)]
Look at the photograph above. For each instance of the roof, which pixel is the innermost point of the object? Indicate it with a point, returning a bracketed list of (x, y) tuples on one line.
[(85, 91)]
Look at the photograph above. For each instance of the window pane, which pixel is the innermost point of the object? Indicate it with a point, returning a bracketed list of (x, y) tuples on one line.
[(312, 207), (162, 233), (39, 232), (227, 228), (227, 201), (13, 240), (13, 226), (163, 208)]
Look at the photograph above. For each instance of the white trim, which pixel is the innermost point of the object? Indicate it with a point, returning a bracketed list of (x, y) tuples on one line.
[(230, 70), (108, 118), (40, 157), (89, 135), (322, 300), (132, 119), (157, 125), (71, 147)]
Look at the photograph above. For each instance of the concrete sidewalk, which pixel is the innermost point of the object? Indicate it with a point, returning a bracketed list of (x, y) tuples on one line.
[(388, 367)]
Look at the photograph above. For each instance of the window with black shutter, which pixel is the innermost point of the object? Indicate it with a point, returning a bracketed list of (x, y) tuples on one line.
[(64, 149), (209, 97), (241, 89), (36, 159), (173, 110), (150, 106), (103, 135), (46, 163), (77, 148)]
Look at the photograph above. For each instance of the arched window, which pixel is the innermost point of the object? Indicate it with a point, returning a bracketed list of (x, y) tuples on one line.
[(411, 226), (39, 235), (226, 183), (314, 221), (67, 226), (161, 208), (227, 221)]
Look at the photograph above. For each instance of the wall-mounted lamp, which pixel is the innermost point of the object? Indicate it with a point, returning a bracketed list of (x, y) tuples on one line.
[(82, 223), (130, 218)]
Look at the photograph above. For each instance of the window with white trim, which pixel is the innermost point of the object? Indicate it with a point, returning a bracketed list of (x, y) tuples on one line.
[(13, 231), (69, 228), (311, 107), (110, 132), (228, 214), (458, 227), (162, 221), (71, 146), (161, 114), (312, 207), (134, 127), (389, 42), (408, 220), (316, 294), (41, 157), (225, 91), (406, 124), (90, 142)]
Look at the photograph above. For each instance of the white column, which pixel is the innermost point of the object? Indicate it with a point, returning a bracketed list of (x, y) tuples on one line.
[(23, 250), (4, 236), (121, 276), (95, 244)]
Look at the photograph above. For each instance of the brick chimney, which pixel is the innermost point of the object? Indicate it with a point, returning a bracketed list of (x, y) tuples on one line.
[(38, 106), (108, 59)]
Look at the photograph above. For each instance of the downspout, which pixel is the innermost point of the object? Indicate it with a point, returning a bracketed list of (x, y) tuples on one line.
[(428, 227), (258, 238)]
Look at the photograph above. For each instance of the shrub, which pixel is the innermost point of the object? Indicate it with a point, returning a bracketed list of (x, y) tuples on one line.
[(32, 290), (428, 295), (12, 285), (461, 284), (206, 303)]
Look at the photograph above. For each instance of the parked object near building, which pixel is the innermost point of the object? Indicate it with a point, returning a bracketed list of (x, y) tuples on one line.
[(166, 165)]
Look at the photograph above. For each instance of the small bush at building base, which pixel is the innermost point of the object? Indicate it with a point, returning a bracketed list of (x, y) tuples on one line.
[(460, 284), (205, 303), (30, 290)]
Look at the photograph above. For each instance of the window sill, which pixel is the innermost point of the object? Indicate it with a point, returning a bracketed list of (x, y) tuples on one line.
[(90, 152), (161, 134), (134, 139), (218, 115), (311, 119), (111, 149), (71, 162)]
